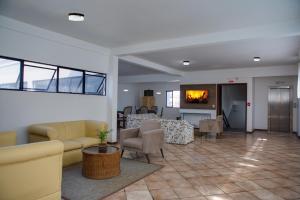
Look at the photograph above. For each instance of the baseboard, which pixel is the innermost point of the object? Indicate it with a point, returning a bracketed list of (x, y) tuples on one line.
[(112, 142), (250, 132), (258, 129)]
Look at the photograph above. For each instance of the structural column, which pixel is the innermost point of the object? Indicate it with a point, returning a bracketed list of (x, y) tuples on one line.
[(298, 99), (112, 97)]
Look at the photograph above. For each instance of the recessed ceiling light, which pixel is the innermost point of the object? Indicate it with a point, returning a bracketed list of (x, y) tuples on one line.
[(256, 59), (158, 92), (186, 63), (76, 17), (125, 90)]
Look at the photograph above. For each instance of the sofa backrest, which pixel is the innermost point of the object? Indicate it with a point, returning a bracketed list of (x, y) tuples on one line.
[(149, 125), (73, 129), (67, 130)]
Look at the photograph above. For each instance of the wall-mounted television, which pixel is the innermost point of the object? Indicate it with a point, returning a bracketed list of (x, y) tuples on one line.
[(196, 96)]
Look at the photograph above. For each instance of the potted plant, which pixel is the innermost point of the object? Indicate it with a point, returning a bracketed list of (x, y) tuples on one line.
[(102, 134)]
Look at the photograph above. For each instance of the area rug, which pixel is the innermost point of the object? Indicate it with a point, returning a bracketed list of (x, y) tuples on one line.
[(77, 187)]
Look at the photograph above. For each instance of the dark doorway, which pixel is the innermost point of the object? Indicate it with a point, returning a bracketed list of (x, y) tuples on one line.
[(232, 104)]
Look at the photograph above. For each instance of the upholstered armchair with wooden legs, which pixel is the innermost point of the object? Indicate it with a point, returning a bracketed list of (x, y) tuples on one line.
[(212, 125), (149, 138)]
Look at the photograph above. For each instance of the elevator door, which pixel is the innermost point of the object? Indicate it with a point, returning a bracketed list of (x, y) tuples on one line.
[(279, 109)]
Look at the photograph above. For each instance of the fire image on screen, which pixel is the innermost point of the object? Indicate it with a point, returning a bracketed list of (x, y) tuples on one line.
[(196, 96)]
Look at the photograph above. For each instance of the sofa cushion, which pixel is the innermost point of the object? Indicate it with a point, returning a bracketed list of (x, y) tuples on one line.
[(136, 143), (87, 141), (70, 145)]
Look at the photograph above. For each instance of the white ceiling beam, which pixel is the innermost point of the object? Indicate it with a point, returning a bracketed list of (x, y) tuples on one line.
[(152, 65), (290, 28)]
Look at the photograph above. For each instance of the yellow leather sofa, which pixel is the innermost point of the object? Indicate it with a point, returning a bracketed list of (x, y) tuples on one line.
[(8, 138), (75, 135), (31, 171)]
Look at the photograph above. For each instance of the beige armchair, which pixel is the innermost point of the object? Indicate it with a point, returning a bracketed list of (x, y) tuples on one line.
[(149, 138), (212, 125), (31, 171)]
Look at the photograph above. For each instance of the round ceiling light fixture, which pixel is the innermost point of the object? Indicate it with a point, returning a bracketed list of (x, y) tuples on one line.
[(256, 59), (125, 90), (76, 17), (186, 63)]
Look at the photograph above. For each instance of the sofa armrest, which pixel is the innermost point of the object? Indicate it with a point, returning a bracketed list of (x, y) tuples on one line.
[(92, 127), (128, 133), (153, 140), (8, 138), (43, 131)]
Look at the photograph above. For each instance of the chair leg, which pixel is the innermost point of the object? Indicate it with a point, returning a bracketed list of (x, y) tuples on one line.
[(147, 157), (122, 153), (162, 153)]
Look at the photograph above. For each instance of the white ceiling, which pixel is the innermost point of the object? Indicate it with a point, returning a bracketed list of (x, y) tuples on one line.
[(119, 24), (114, 23), (130, 69), (279, 51)]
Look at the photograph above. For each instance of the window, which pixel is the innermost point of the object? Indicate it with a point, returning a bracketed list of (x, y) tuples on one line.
[(173, 99), (39, 77), (22, 75), (10, 74), (95, 83), (70, 81)]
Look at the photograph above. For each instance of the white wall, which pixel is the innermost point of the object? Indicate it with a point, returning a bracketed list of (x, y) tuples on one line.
[(136, 92), (130, 98), (19, 109), (160, 99), (261, 89)]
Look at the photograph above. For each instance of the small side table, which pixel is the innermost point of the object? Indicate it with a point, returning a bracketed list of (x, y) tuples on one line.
[(101, 162)]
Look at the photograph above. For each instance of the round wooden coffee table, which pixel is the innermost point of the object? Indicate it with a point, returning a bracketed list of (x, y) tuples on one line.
[(101, 162)]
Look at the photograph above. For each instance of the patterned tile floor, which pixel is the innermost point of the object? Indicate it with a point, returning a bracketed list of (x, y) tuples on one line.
[(235, 166)]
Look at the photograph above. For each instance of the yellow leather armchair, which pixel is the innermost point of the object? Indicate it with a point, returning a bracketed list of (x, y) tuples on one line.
[(7, 138), (31, 171)]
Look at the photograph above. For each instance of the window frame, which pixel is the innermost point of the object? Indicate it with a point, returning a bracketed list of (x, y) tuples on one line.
[(20, 74), (104, 80), (172, 91), (29, 89), (83, 80), (21, 86)]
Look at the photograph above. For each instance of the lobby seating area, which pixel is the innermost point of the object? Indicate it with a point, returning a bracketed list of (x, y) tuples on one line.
[(150, 100)]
